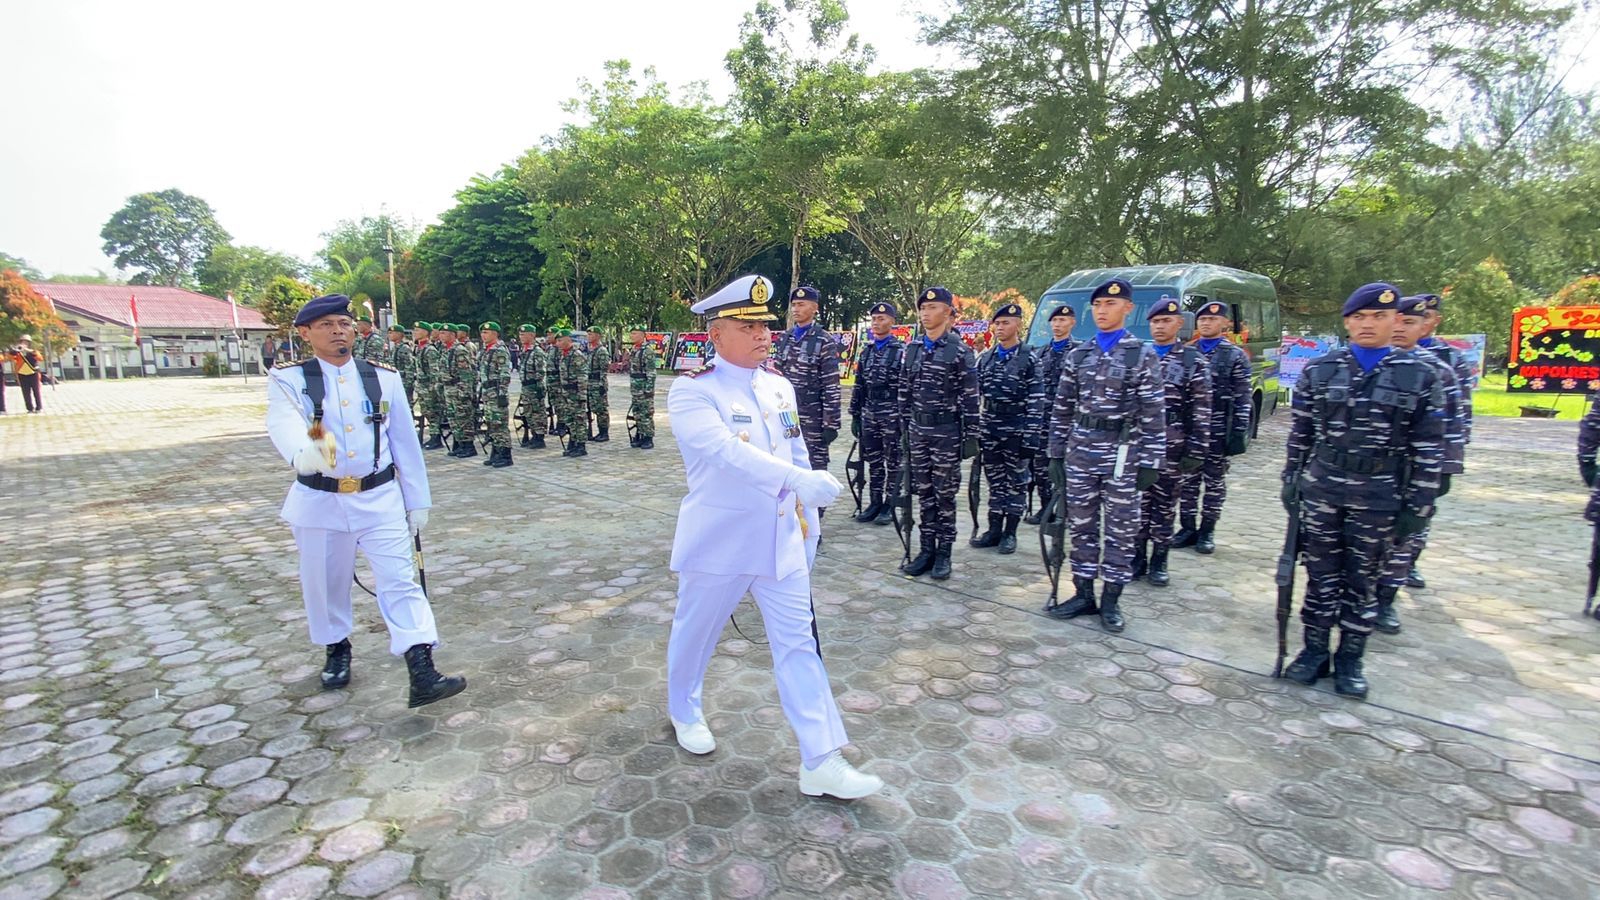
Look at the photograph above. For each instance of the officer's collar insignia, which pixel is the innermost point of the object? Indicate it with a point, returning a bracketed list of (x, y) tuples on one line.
[(758, 291), (1386, 297), (1114, 290)]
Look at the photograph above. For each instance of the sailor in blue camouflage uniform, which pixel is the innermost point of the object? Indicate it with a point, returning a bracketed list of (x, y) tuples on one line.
[(1411, 324), (1187, 380), (1230, 427), (1061, 319), (1011, 427), (875, 418), (1108, 441), (1364, 454), (938, 395), (1433, 317), (808, 356)]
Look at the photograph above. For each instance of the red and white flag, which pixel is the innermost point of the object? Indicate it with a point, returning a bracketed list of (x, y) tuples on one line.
[(233, 305), (133, 312)]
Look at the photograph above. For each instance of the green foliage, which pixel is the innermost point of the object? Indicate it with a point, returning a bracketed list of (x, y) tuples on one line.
[(244, 271), (1480, 299), (20, 266), (211, 365), (281, 300), (482, 260), (164, 234)]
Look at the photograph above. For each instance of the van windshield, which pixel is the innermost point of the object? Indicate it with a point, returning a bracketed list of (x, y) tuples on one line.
[(1143, 298)]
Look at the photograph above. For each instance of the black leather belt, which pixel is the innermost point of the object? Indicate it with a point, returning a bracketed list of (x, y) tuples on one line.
[(1006, 409), (929, 420), (597, 376), (1098, 423), (347, 485), (1358, 464)]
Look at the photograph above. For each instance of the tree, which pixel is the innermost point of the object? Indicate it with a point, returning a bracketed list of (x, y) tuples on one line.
[(354, 260), (244, 272), (164, 235), (1480, 300), (25, 311), (281, 302), (20, 266), (483, 255)]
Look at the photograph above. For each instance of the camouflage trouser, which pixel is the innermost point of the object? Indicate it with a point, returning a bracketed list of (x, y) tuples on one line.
[(1004, 467), (1213, 476), (936, 477), (598, 403), (881, 455), (411, 399), (1039, 468), (1090, 496), (463, 413), (1402, 558), (816, 447), (530, 406), (1159, 504), (642, 406), (1343, 549), (496, 413), (435, 409), (572, 412)]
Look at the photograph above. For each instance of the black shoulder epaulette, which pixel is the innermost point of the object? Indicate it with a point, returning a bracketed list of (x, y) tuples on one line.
[(379, 365), (696, 373), (288, 364)]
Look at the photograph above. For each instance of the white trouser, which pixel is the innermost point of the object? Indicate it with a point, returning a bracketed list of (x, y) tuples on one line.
[(704, 604), (327, 570)]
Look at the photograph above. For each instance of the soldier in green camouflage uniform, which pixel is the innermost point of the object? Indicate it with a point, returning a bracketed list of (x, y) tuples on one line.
[(599, 402), (460, 377), (531, 400), (642, 391), (368, 343), (569, 368), (397, 354), (430, 381), (494, 394)]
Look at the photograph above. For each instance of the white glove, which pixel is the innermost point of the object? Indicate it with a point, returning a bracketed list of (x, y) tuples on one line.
[(417, 519), (815, 489), (311, 459)]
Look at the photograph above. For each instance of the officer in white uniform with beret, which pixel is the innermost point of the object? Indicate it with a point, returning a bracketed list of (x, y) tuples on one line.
[(749, 525), (361, 486)]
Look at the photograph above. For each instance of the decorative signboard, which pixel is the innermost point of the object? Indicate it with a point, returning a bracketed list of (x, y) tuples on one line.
[(1554, 349), (1293, 354)]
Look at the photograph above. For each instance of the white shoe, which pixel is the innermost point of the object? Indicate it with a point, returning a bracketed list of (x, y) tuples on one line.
[(837, 778), (694, 737)]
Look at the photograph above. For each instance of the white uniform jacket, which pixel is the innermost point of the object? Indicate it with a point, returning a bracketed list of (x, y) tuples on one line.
[(344, 415), (739, 518)]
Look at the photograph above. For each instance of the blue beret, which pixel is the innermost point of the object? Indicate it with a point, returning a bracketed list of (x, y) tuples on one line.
[(1116, 287), (1377, 295), (331, 305), (1009, 311), (1412, 306), (806, 292), (1166, 306), (1431, 301), (936, 294), (886, 309), (1063, 312), (1214, 308)]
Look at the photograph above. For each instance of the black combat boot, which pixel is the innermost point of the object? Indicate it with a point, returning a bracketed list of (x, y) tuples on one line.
[(494, 456), (536, 442), (1186, 534), (1388, 621), (602, 437), (872, 510), (1312, 663), (336, 668), (1205, 540), (468, 449), (633, 440), (1081, 604), (920, 564), (576, 450), (941, 564), (434, 443), (647, 443), (1414, 578), (524, 442), (885, 515), (1008, 537), (1141, 563), (1110, 611), (1037, 515), (427, 685), (991, 537), (502, 458), (1347, 677), (1158, 567)]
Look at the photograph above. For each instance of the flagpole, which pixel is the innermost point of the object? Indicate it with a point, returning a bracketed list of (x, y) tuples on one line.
[(244, 364), (394, 299)]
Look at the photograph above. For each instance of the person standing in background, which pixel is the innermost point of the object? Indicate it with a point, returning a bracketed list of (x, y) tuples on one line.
[(27, 365)]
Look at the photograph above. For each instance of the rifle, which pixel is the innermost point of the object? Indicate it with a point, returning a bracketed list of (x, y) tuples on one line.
[(900, 511), (855, 473), (416, 557), (632, 422), (1053, 540), (975, 487), (1594, 570), (1285, 579)]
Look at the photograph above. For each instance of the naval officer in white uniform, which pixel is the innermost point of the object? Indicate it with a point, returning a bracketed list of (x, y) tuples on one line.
[(363, 486), (749, 525)]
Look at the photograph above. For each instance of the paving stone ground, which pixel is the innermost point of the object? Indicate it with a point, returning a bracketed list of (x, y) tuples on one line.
[(162, 733)]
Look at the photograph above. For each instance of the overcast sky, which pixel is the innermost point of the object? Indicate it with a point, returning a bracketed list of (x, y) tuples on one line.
[(289, 116)]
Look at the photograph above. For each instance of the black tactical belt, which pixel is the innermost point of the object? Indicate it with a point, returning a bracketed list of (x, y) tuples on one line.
[(1006, 409), (347, 485), (597, 376), (1098, 423), (929, 420), (1358, 464)]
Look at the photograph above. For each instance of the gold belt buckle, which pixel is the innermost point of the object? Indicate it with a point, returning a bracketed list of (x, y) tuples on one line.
[(348, 485)]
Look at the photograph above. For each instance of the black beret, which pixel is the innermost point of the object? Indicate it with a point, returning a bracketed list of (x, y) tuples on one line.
[(1377, 295), (1116, 287), (1009, 311), (885, 309), (1214, 308), (1063, 312), (1166, 306), (331, 305), (806, 292), (936, 294)]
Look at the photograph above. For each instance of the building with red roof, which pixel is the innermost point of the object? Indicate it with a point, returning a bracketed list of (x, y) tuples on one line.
[(176, 329)]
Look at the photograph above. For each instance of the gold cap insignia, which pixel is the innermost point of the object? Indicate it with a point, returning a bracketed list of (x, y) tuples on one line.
[(1386, 297), (758, 291), (929, 295), (1114, 289)]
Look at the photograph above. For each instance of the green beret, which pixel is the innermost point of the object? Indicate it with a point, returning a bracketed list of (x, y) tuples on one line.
[(363, 318), (421, 326), (491, 326), (398, 327), (462, 328), (525, 328)]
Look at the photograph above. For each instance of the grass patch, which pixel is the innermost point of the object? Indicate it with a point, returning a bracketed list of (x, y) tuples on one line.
[(1492, 399)]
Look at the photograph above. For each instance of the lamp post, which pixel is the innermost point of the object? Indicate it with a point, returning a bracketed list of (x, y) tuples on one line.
[(394, 300)]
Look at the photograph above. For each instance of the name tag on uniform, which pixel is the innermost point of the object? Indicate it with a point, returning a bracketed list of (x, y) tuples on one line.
[(739, 418)]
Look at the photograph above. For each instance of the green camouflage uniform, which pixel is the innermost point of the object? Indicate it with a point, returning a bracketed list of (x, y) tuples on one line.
[(570, 372), (599, 365), (399, 357), (370, 347), (459, 380), (494, 393), (531, 401), (430, 382), (642, 391)]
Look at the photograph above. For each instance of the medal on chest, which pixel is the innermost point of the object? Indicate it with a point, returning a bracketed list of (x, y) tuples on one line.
[(790, 423)]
